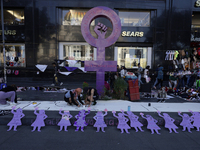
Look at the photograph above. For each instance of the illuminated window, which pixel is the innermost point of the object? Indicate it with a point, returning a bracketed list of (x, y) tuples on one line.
[(135, 18), (15, 55), (13, 16), (73, 16)]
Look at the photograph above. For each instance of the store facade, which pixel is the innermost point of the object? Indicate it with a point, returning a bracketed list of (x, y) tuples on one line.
[(39, 31)]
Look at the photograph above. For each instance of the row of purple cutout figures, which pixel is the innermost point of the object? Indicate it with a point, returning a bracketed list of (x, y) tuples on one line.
[(100, 123)]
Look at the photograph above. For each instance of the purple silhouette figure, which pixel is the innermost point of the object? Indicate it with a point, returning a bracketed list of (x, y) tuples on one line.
[(134, 121), (100, 120), (39, 121), (16, 120), (186, 122), (122, 122), (151, 123), (64, 122), (169, 122), (80, 122), (196, 118)]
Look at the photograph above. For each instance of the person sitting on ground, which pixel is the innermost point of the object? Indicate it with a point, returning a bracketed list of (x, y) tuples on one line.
[(71, 97), (173, 80), (91, 95), (8, 93)]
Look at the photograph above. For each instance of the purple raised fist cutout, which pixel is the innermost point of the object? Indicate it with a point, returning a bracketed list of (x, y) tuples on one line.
[(65, 120), (122, 122), (100, 123), (169, 122), (100, 65), (39, 121), (16, 120), (151, 123), (80, 122), (134, 121)]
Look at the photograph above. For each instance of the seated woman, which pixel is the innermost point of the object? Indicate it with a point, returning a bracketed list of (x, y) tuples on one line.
[(7, 93), (71, 97), (91, 95)]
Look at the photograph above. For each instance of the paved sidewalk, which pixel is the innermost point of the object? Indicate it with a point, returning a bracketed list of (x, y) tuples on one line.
[(110, 105)]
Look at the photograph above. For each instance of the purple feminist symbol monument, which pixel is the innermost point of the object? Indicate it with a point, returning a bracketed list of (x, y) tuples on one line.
[(100, 65)]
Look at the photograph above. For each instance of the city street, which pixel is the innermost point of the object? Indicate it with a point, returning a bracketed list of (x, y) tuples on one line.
[(50, 139)]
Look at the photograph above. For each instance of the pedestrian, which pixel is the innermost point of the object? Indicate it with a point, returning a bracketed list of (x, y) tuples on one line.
[(8, 93), (55, 78), (159, 77), (123, 72), (155, 75), (91, 95), (117, 73), (187, 75), (139, 71), (173, 80), (71, 97), (146, 74)]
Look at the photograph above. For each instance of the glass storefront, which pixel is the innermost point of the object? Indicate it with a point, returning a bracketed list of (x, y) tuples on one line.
[(15, 55), (80, 52), (135, 18), (13, 16), (73, 16), (131, 56)]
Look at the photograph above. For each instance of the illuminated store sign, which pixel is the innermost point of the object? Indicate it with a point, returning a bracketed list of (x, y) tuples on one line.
[(132, 33), (197, 4), (8, 32)]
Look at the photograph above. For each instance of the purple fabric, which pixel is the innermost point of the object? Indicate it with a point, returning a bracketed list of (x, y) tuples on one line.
[(71, 68), (100, 65), (4, 95)]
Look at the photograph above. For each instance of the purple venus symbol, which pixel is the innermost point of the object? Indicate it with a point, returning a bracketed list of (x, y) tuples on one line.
[(100, 65)]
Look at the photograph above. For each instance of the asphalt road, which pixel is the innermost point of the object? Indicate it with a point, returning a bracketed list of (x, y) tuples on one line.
[(50, 139)]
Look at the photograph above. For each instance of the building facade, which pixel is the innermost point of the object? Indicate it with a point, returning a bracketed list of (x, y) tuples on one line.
[(39, 31)]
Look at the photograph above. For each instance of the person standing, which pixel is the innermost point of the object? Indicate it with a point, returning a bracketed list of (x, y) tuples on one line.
[(55, 78), (139, 71), (146, 74), (159, 77)]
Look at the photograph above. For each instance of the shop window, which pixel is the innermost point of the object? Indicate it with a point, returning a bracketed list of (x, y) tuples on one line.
[(73, 16), (15, 55), (135, 18), (131, 56), (77, 52), (195, 29), (13, 16)]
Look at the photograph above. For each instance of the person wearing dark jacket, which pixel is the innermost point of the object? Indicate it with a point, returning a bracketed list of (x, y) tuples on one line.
[(91, 95), (8, 92), (71, 96)]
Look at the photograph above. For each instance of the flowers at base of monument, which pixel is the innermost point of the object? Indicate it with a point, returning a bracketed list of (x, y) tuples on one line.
[(85, 84)]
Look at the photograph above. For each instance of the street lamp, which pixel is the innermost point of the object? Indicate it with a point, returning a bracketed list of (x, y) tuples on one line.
[(4, 54)]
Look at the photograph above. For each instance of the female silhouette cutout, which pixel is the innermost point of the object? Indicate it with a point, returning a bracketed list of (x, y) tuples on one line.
[(39, 121), (196, 118), (100, 120), (16, 120), (64, 122), (186, 122)]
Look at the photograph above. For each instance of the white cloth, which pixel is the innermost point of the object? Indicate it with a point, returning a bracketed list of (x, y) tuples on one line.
[(82, 68), (71, 62), (65, 73), (41, 67)]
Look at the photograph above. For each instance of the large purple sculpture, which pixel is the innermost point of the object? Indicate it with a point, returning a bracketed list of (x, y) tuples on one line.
[(100, 65)]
